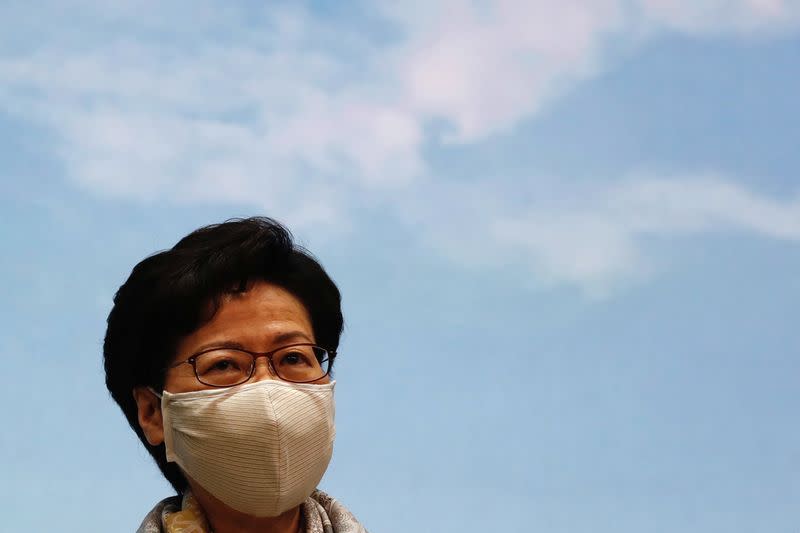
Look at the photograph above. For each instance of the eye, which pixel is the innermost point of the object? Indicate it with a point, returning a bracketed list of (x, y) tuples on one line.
[(219, 362), (224, 364), (294, 358)]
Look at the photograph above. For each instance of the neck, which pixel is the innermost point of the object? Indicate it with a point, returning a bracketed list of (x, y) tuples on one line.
[(223, 519)]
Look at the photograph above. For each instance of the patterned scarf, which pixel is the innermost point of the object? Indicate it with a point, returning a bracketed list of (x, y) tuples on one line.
[(321, 513)]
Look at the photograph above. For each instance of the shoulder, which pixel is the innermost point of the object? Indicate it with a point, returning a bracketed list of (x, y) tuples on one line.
[(152, 522), (336, 514)]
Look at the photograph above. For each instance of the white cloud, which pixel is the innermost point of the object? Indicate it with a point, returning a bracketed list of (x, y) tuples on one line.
[(305, 119), (593, 237), (600, 241), (714, 16), (484, 67)]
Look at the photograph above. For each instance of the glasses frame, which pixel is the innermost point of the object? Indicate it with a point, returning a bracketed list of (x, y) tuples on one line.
[(192, 360)]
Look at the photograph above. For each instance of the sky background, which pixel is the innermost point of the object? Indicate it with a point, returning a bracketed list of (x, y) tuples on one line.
[(566, 233)]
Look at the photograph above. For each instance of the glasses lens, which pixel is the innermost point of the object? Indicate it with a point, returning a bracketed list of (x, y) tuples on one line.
[(224, 367), (301, 363)]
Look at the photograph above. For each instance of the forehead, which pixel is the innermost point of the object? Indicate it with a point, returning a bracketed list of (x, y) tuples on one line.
[(254, 318)]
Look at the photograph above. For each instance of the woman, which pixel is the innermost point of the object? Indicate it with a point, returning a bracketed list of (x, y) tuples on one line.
[(219, 352)]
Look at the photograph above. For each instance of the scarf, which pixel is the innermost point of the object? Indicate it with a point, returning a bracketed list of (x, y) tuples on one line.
[(321, 514)]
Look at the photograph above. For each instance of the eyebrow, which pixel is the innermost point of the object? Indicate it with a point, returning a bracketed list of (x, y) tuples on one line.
[(281, 338), (290, 336)]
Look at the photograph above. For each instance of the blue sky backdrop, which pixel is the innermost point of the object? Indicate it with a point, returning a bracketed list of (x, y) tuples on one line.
[(566, 234)]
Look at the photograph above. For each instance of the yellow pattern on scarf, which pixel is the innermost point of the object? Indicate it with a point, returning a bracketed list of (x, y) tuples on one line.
[(190, 519)]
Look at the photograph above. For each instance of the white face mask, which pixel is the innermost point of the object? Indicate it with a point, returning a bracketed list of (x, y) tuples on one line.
[(261, 448)]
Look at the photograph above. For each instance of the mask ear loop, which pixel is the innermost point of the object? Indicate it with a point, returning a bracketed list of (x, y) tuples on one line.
[(156, 394)]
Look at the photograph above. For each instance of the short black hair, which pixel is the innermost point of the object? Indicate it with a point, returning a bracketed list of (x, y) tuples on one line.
[(172, 293)]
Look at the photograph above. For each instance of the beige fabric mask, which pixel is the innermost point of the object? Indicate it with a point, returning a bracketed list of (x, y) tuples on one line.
[(261, 448)]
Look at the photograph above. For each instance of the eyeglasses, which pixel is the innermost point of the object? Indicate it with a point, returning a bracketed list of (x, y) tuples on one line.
[(226, 367)]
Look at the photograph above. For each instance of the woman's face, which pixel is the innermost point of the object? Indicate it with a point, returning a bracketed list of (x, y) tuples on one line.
[(263, 318)]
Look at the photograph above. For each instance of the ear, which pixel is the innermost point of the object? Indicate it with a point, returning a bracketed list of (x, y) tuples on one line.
[(149, 411)]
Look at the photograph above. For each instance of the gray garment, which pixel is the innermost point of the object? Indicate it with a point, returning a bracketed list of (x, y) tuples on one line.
[(321, 513)]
